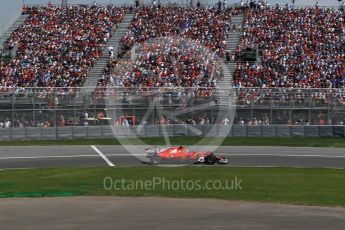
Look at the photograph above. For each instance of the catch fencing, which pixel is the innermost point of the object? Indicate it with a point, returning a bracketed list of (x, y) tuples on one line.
[(36, 107)]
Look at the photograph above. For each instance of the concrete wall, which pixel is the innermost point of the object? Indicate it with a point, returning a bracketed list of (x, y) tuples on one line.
[(94, 132)]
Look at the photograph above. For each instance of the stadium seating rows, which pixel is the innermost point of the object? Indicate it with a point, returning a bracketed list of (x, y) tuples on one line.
[(58, 45), (207, 25), (168, 62), (301, 48), (180, 59)]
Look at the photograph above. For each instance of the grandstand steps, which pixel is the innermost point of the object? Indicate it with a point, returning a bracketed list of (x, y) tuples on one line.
[(12, 28), (96, 72), (237, 19), (223, 91)]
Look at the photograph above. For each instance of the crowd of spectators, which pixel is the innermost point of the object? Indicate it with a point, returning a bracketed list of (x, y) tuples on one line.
[(301, 48), (290, 97), (209, 26), (58, 45), (170, 62), (264, 121), (177, 47)]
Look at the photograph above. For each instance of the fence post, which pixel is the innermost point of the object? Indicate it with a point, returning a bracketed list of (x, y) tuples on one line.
[(55, 119), (72, 132), (12, 118)]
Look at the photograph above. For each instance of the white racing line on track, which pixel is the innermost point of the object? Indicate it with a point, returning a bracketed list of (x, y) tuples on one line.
[(103, 156), (232, 166)]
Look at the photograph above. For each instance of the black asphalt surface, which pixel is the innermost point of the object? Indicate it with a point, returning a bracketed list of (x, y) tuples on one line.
[(86, 156)]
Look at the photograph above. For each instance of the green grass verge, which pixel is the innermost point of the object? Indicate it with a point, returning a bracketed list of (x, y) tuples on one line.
[(278, 185), (234, 141)]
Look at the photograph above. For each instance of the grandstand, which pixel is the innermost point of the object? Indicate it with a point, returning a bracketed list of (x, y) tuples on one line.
[(300, 48), (97, 70), (276, 64)]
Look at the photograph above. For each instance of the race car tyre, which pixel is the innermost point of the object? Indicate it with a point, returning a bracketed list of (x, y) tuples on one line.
[(155, 160), (211, 159)]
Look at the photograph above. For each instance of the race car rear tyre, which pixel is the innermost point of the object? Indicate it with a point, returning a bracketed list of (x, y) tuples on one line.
[(211, 159)]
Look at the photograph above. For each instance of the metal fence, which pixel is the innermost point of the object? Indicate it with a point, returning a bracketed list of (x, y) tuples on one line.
[(247, 106), (109, 132)]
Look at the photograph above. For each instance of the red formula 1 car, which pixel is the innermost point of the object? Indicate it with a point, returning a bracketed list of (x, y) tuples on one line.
[(158, 155)]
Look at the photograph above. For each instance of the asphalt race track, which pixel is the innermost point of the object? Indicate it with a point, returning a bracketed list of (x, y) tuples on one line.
[(93, 156)]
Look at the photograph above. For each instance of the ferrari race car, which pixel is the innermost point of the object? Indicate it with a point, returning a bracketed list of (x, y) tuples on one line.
[(160, 155)]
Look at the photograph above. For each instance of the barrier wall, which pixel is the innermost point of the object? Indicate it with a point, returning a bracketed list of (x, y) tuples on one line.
[(94, 132)]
